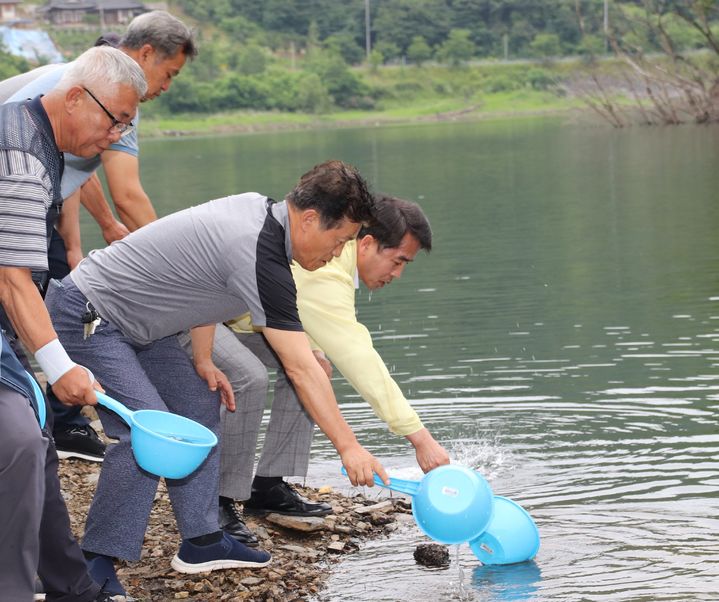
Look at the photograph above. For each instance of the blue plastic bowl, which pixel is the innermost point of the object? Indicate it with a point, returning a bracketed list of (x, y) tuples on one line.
[(453, 504), (511, 536), (164, 444)]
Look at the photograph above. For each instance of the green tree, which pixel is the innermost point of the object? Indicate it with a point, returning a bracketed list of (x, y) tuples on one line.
[(311, 94), (590, 47), (399, 21), (209, 64), (419, 51), (457, 48), (546, 45), (389, 50), (243, 92), (345, 45), (376, 58), (252, 60), (187, 96), (346, 89), (241, 29)]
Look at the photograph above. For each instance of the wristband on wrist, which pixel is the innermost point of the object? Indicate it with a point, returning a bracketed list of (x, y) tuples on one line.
[(54, 361)]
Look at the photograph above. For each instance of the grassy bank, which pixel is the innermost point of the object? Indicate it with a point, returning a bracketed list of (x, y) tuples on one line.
[(403, 95), (495, 107)]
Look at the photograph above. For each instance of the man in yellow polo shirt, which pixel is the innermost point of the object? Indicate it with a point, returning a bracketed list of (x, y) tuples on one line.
[(326, 302)]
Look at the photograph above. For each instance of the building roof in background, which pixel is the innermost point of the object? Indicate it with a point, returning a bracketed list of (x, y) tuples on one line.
[(70, 5), (119, 4), (92, 4)]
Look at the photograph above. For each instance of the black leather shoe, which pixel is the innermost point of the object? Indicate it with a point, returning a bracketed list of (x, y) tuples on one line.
[(231, 523), (283, 499)]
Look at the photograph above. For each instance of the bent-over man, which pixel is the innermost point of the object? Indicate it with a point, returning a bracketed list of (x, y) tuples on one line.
[(326, 303), (193, 269)]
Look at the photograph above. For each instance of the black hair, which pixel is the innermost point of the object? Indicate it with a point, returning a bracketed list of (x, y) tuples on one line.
[(393, 218), (335, 190)]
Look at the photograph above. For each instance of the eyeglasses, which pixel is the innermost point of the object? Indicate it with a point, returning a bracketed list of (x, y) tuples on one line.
[(117, 127)]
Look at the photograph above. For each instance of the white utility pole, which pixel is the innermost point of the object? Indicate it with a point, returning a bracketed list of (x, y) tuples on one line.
[(367, 30)]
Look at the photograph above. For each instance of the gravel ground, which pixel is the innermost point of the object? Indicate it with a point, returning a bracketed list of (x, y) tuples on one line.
[(301, 561)]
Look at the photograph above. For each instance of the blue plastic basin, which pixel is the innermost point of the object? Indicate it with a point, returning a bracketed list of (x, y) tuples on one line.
[(511, 536), (451, 504), (164, 444)]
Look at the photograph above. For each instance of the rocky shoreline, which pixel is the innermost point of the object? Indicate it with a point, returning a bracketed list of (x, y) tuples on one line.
[(303, 550)]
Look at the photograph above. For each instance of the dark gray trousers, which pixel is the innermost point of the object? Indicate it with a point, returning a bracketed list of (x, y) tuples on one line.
[(35, 535)]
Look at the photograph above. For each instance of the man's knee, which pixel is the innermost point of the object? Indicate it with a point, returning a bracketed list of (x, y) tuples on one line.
[(246, 374)]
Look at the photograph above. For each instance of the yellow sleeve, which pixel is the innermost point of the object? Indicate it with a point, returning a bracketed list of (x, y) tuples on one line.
[(326, 302)]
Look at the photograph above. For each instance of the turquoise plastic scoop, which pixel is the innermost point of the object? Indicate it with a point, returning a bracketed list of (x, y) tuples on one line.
[(451, 504), (511, 536), (164, 443)]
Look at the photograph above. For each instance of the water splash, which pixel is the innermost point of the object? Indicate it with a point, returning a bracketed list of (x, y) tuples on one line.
[(482, 452), (463, 592)]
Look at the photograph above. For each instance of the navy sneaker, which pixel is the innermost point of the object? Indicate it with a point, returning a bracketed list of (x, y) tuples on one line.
[(102, 571), (228, 553)]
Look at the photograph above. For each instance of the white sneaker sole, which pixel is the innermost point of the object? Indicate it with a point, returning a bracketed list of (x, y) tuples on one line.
[(213, 565), (64, 455)]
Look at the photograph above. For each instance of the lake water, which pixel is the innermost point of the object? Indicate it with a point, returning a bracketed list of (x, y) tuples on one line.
[(562, 338)]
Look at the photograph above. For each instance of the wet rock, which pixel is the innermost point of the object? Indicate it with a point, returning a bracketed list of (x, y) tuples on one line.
[(431, 554), (301, 551), (362, 526), (298, 523), (259, 531), (381, 507), (336, 546), (402, 503), (379, 519)]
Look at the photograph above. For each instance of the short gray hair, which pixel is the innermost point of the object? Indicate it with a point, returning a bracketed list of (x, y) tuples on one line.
[(104, 68), (165, 33)]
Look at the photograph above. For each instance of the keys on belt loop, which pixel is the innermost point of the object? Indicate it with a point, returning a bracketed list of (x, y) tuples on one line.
[(90, 320)]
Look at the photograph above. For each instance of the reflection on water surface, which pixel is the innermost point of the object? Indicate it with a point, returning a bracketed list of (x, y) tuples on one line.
[(562, 338)]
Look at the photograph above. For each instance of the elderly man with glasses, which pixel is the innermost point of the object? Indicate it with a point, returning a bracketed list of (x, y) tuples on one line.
[(160, 44), (35, 527), (118, 127)]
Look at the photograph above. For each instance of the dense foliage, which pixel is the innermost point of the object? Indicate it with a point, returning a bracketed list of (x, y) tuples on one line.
[(299, 55), (497, 28)]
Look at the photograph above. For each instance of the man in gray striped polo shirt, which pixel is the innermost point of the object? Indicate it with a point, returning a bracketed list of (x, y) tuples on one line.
[(86, 112)]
